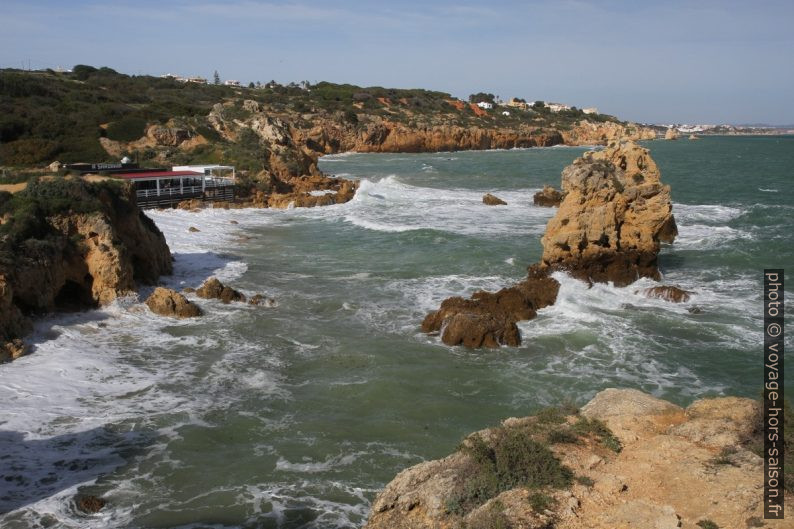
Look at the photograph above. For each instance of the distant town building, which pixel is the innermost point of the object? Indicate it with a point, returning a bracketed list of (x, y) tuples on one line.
[(505, 113), (198, 80), (590, 110), (517, 103), (232, 82), (485, 105), (556, 107)]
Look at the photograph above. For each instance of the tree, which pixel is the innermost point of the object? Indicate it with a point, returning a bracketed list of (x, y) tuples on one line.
[(216, 78), (251, 84), (538, 105), (482, 97)]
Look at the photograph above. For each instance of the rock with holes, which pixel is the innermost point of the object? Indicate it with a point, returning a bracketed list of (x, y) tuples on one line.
[(615, 215)]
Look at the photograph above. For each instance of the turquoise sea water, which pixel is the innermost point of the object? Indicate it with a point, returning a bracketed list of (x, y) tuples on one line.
[(296, 415)]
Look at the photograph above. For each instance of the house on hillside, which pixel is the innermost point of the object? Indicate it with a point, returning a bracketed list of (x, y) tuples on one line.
[(231, 82), (557, 107), (485, 105), (517, 103), (590, 110)]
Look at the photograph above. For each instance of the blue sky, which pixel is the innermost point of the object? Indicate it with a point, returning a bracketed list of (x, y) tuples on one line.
[(676, 61)]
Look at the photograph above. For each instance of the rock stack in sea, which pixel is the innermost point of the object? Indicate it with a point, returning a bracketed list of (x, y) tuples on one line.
[(625, 460), (609, 228), (671, 134), (615, 215)]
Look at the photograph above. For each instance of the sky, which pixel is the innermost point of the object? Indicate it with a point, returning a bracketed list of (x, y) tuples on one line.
[(695, 61)]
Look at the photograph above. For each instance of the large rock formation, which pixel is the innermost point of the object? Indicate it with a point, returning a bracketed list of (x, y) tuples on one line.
[(489, 319), (79, 260), (611, 222), (632, 460), (615, 214), (671, 134)]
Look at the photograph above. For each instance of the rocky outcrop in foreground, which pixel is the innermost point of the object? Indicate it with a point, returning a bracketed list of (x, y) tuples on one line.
[(615, 215), (626, 460)]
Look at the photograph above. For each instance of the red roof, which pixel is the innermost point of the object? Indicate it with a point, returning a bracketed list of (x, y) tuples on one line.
[(158, 174)]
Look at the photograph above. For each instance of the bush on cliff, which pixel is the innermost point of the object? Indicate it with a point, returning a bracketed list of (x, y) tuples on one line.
[(126, 129)]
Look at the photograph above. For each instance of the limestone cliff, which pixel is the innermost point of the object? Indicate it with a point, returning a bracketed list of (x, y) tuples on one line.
[(603, 133), (77, 260), (614, 216), (626, 460)]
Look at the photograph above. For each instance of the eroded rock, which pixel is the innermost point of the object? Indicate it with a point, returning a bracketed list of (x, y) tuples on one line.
[(491, 200), (669, 293), (548, 197), (166, 302), (214, 289), (615, 215)]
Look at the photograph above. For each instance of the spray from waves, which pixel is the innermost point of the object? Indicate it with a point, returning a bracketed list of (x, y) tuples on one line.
[(389, 205), (705, 226)]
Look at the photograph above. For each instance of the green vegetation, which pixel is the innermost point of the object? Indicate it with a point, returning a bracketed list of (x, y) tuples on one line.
[(26, 211), (541, 502), (47, 115), (520, 456), (707, 524)]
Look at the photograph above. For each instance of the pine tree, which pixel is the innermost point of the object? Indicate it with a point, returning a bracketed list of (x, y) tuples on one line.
[(216, 78)]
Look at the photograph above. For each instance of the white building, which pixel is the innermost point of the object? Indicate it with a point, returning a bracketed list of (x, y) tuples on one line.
[(556, 107), (232, 82), (485, 105), (216, 171), (590, 110), (505, 113)]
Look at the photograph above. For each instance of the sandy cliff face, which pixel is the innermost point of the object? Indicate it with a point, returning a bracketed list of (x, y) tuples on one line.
[(592, 133), (615, 214), (675, 467), (89, 260)]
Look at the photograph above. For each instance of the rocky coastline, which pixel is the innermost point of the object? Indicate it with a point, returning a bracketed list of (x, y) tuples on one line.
[(625, 460), (613, 217)]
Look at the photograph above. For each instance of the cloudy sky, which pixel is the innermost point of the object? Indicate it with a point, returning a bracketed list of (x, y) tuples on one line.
[(674, 61)]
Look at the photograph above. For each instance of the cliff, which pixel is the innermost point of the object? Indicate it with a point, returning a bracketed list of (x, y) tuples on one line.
[(67, 244), (268, 132), (625, 460)]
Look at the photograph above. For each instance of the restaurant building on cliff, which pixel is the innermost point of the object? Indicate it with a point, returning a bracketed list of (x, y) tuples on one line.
[(160, 188)]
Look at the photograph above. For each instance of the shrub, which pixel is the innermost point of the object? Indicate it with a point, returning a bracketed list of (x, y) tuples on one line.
[(585, 426), (707, 524), (126, 129), (511, 459), (541, 502)]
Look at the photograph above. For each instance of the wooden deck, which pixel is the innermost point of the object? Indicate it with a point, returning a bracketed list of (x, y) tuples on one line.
[(163, 198)]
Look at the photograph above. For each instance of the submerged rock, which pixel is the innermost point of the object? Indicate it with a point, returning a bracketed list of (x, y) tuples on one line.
[(12, 350), (491, 200), (90, 504), (166, 302), (614, 216), (669, 293), (259, 299), (214, 289), (548, 197)]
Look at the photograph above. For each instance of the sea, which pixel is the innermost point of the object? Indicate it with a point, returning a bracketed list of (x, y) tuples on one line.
[(296, 415)]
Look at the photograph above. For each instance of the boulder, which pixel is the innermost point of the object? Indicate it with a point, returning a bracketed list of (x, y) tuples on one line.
[(669, 293), (90, 504), (214, 289), (488, 319), (12, 350), (193, 229), (166, 302), (614, 216), (548, 197), (193, 204), (671, 134), (491, 200)]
